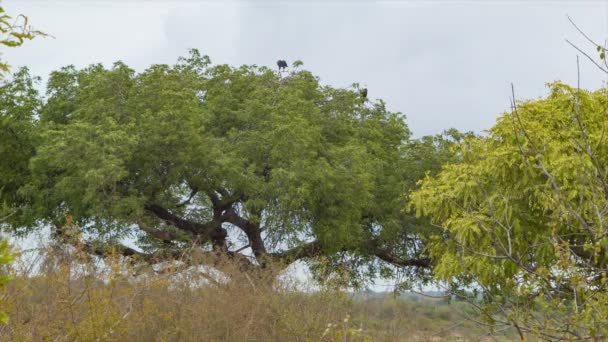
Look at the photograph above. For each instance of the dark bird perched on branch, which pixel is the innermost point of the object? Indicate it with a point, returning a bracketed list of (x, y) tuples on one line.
[(282, 64), (364, 94)]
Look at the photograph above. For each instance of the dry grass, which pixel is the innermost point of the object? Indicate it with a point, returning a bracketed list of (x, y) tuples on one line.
[(71, 299)]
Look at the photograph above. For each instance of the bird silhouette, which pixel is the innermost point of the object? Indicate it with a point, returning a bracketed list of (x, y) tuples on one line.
[(281, 64)]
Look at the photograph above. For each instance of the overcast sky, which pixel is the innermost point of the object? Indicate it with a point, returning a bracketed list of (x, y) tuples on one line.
[(442, 63)]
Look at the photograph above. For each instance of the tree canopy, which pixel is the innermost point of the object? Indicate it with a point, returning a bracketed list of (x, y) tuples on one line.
[(218, 160), (524, 215)]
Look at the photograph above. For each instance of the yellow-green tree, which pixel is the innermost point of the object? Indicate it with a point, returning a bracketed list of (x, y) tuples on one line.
[(524, 216), (14, 31)]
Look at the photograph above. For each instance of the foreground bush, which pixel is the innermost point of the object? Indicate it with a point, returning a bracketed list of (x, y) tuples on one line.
[(72, 298)]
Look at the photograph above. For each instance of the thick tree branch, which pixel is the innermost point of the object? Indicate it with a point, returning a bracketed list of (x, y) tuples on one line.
[(175, 220), (314, 249), (190, 197), (224, 202), (204, 231), (107, 250), (375, 248), (251, 229), (157, 233), (305, 251), (223, 212), (396, 261)]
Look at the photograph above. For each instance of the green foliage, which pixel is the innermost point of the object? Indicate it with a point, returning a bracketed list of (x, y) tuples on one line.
[(5, 258), (602, 51), (17, 104), (523, 211), (14, 33), (295, 160)]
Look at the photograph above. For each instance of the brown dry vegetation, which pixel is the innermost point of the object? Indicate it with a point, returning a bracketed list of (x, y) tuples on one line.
[(75, 299)]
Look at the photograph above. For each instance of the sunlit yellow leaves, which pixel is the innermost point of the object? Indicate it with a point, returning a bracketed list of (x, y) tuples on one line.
[(533, 192)]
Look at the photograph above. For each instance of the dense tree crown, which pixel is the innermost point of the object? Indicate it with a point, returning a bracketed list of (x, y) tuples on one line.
[(220, 158), (524, 214)]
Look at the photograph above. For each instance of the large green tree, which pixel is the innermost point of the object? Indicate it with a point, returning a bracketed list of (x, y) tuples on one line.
[(213, 160), (524, 216)]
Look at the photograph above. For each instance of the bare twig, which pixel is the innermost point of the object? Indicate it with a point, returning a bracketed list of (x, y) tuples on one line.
[(587, 55)]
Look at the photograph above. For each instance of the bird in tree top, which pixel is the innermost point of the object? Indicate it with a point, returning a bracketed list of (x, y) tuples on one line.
[(281, 64), (364, 94)]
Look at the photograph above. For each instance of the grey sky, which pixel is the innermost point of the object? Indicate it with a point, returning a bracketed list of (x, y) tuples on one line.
[(442, 63)]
